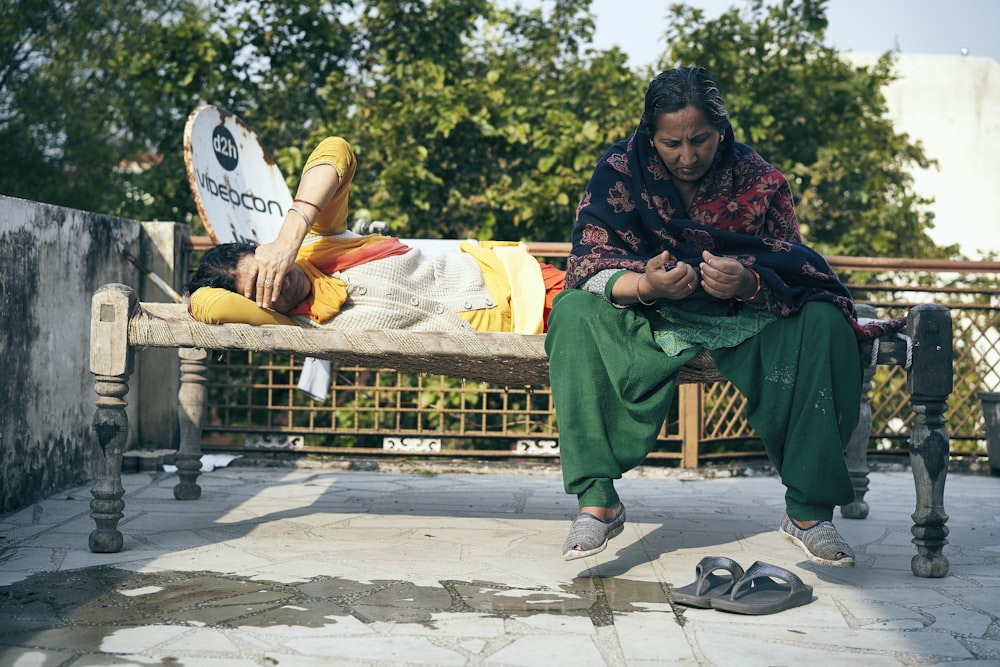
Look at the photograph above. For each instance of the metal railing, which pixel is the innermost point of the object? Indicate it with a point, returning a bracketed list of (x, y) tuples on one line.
[(254, 403)]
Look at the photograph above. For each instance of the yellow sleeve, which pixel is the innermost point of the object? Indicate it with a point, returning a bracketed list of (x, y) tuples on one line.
[(499, 317), (215, 305), (336, 152)]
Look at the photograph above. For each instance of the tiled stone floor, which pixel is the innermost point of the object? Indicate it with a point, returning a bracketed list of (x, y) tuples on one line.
[(333, 567)]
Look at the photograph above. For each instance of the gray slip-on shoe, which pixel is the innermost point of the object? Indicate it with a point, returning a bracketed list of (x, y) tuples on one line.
[(821, 543), (589, 535)]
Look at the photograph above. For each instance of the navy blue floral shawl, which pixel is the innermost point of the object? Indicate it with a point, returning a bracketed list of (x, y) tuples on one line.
[(743, 208)]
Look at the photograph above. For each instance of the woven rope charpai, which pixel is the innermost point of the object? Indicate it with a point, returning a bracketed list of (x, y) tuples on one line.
[(146, 331), (500, 358), (700, 369), (295, 338), (360, 343), (246, 338), (202, 337)]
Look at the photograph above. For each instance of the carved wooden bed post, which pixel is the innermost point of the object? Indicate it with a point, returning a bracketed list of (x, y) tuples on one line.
[(929, 384), (111, 363), (857, 447), (191, 418)]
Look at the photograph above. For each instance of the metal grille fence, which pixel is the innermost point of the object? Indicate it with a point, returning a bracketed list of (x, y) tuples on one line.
[(254, 402)]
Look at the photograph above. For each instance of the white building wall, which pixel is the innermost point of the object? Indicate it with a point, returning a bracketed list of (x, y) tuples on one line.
[(951, 104)]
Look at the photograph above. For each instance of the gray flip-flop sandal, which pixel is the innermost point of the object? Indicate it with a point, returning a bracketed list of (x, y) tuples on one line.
[(757, 592), (708, 585)]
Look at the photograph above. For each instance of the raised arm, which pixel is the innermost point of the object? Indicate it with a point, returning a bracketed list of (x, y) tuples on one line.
[(320, 205)]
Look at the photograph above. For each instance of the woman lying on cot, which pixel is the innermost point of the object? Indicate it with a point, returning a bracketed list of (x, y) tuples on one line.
[(319, 273)]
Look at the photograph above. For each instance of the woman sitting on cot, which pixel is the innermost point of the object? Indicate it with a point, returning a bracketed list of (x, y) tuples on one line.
[(318, 273)]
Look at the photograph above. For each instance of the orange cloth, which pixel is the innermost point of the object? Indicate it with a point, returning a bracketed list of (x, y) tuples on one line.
[(553, 279), (331, 254)]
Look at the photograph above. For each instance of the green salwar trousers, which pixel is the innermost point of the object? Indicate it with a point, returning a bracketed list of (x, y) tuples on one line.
[(612, 386)]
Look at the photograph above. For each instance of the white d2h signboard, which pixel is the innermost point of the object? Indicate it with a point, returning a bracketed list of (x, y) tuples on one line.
[(240, 192)]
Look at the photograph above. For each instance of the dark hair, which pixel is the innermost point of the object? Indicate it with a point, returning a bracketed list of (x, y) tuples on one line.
[(676, 89), (217, 267)]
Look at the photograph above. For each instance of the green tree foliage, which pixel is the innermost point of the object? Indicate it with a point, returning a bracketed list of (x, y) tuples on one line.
[(93, 96), (470, 121), (294, 64), (818, 118), (470, 117)]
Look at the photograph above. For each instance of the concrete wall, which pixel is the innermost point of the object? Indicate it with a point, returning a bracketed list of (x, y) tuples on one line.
[(161, 251), (52, 259)]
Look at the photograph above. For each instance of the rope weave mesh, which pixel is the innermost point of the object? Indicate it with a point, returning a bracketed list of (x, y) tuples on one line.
[(406, 344), (201, 336), (360, 342), (297, 339), (147, 331), (469, 345)]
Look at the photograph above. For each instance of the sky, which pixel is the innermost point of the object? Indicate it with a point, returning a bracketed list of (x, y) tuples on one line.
[(861, 26)]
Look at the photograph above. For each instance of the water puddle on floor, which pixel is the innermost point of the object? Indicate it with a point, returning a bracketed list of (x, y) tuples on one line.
[(112, 598)]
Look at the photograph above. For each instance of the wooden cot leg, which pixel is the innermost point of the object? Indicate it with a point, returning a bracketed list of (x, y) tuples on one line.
[(857, 447), (857, 451), (111, 363), (111, 426), (190, 415), (930, 384)]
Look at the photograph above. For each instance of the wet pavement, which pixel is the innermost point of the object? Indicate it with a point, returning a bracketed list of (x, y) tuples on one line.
[(321, 565)]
